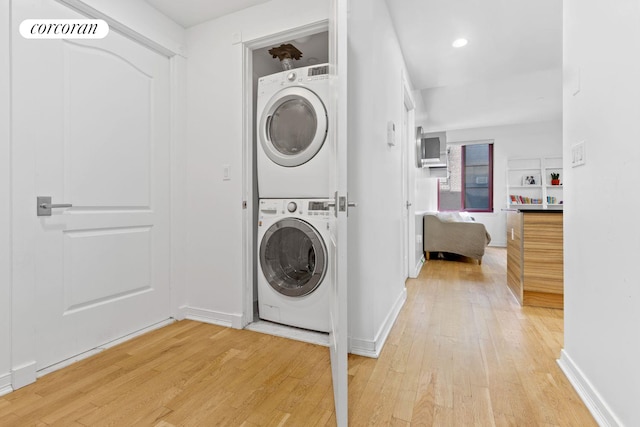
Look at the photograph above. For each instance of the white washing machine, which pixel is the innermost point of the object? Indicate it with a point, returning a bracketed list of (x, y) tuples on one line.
[(293, 153), (294, 262)]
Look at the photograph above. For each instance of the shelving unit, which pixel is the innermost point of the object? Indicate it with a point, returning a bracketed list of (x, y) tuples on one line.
[(529, 182)]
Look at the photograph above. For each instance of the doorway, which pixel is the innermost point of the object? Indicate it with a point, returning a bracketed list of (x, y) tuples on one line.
[(312, 40)]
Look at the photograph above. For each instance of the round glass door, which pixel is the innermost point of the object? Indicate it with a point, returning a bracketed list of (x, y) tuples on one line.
[(293, 257), (293, 126)]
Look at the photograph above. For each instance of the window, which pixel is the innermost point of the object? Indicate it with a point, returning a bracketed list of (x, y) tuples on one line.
[(469, 185)]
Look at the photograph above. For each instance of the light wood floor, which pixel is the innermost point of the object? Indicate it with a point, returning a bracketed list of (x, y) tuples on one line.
[(461, 353)]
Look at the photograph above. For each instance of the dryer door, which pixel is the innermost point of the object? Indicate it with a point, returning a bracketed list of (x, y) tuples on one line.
[(293, 257), (293, 126)]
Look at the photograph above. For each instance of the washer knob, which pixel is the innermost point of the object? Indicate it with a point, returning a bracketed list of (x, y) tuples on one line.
[(291, 76), (292, 206)]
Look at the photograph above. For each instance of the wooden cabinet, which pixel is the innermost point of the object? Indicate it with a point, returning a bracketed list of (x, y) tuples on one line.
[(535, 257), (514, 254)]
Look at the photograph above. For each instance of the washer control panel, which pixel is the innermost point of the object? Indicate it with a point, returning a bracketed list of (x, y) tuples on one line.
[(296, 207), (318, 208)]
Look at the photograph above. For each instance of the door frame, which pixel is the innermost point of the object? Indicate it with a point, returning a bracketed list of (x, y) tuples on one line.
[(249, 176), (22, 346), (408, 160), (5, 195)]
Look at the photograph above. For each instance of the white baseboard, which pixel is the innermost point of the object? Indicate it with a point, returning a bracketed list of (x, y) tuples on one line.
[(181, 312), (214, 317), (5, 384), (368, 348), (23, 375), (417, 268), (591, 398), (94, 351)]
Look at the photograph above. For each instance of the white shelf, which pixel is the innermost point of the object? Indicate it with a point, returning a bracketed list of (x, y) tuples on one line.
[(541, 167)]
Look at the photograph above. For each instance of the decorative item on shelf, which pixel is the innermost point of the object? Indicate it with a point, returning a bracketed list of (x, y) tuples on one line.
[(531, 180), (555, 178), (517, 199), (286, 53)]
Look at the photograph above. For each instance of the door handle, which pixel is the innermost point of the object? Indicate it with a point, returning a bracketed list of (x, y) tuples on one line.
[(342, 204), (45, 205), (268, 128)]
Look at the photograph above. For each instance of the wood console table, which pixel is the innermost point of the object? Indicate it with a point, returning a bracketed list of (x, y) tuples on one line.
[(535, 259)]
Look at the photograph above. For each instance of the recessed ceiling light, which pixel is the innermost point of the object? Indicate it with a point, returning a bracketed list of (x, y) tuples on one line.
[(460, 42)]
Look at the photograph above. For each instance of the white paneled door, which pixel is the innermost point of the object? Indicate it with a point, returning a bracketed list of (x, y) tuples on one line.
[(91, 129), (338, 180)]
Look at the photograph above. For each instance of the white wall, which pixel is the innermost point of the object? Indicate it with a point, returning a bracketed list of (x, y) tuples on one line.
[(144, 19), (5, 206), (376, 273), (215, 137), (543, 139), (602, 235), (425, 199), (426, 188)]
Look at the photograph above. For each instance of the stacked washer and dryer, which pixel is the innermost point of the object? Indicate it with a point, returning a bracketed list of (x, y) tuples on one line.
[(293, 159)]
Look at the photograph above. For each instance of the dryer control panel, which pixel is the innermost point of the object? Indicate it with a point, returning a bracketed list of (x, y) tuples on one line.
[(294, 207)]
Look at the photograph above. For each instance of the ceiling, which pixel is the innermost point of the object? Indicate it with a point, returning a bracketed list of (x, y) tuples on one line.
[(506, 37), (193, 12), (510, 72)]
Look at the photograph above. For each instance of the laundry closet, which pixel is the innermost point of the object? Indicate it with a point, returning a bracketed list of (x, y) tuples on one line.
[(291, 188)]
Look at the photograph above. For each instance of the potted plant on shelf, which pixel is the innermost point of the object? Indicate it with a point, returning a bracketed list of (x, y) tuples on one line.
[(555, 178)]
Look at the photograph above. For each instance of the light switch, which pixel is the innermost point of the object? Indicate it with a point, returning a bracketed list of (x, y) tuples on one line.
[(225, 173), (578, 154), (576, 85), (391, 133)]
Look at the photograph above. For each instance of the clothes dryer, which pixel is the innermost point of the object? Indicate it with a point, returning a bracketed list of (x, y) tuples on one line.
[(293, 154), (295, 264)]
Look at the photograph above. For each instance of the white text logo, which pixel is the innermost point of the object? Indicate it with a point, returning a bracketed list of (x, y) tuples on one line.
[(64, 29)]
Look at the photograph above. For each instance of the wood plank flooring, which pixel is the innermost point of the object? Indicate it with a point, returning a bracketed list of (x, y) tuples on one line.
[(462, 352)]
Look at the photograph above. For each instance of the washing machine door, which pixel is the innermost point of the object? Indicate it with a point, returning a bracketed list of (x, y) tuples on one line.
[(293, 126), (293, 257)]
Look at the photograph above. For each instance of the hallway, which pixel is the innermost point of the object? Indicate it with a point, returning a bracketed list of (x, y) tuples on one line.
[(462, 352)]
